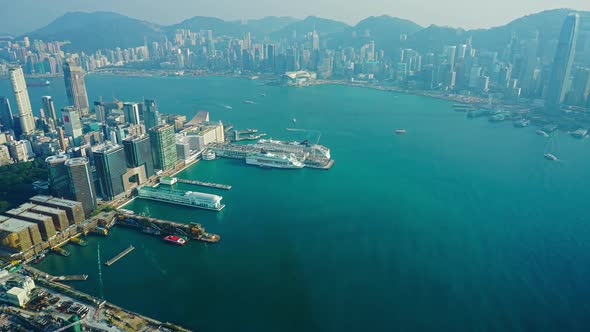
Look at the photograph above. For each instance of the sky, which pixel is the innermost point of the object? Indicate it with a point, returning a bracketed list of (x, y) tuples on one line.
[(21, 16)]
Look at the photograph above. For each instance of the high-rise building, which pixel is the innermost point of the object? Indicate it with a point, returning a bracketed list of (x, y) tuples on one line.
[(163, 144), (72, 124), (138, 152), (75, 86), (100, 111), (20, 151), (49, 108), (58, 176), (151, 114), (23, 103), (131, 113), (110, 165), (82, 183), (562, 63), (6, 117)]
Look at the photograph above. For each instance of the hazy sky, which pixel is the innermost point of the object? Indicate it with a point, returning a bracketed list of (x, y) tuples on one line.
[(19, 16)]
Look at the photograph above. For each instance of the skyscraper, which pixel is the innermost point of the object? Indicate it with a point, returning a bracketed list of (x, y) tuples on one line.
[(131, 113), (58, 176), (163, 144), (72, 124), (110, 166), (138, 152), (151, 115), (6, 118), (562, 64), (49, 108), (81, 183), (25, 113), (75, 86)]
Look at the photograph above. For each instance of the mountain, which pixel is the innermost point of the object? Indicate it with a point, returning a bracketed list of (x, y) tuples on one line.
[(321, 25), (219, 26), (92, 31), (267, 25), (384, 30)]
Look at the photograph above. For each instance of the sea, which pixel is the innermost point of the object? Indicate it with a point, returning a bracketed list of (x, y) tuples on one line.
[(458, 225)]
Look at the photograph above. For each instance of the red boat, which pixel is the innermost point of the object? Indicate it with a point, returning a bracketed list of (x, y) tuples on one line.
[(174, 239)]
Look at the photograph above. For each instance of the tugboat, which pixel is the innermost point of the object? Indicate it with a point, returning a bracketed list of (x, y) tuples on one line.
[(174, 240), (551, 157)]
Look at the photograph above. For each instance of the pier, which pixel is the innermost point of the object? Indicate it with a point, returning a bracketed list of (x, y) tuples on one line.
[(119, 256), (192, 231), (76, 277), (205, 184)]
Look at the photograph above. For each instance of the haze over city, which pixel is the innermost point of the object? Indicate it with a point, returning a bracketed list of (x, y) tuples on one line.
[(466, 14)]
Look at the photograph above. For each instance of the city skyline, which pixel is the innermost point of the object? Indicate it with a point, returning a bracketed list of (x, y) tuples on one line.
[(450, 13)]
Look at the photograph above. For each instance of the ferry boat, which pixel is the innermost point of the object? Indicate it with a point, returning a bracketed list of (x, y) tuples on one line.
[(275, 160), (521, 123), (400, 131), (297, 147), (186, 198), (209, 155), (542, 133), (38, 84), (551, 157), (174, 240)]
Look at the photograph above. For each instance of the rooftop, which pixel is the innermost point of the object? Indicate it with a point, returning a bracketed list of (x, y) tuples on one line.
[(77, 161), (13, 225)]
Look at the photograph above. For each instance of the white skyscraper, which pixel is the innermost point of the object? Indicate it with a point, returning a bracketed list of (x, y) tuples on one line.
[(72, 124), (19, 87)]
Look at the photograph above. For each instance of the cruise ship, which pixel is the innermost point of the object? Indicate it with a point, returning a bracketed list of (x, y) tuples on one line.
[(187, 198), (275, 160), (297, 147)]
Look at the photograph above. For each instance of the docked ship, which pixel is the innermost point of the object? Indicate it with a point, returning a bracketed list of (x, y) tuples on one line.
[(38, 84), (186, 198), (297, 147), (174, 240), (209, 155), (275, 160)]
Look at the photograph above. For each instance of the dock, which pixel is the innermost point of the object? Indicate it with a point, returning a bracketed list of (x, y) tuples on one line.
[(205, 184), (76, 277), (119, 256)]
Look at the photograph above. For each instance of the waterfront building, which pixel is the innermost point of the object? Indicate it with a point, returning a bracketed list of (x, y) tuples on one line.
[(72, 123), (110, 164), (74, 210), (163, 143), (562, 63), (44, 223), (58, 176), (82, 183), (49, 108), (138, 152), (18, 235), (23, 103), (59, 217), (151, 114), (6, 117), (75, 85), (131, 113)]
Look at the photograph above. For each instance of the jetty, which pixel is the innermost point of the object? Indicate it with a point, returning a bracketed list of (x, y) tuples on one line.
[(47, 276), (205, 184), (119, 256)]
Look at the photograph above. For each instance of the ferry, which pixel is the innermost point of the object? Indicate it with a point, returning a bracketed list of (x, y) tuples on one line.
[(186, 198), (521, 123), (174, 240), (38, 84), (297, 147), (551, 157), (209, 155), (542, 133), (250, 102), (400, 131), (274, 160)]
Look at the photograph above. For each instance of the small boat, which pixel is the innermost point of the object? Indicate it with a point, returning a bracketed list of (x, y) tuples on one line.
[(542, 133), (580, 133), (151, 231), (400, 131), (294, 120), (39, 258), (38, 84), (262, 94), (551, 157), (250, 102), (227, 107), (521, 123), (174, 240)]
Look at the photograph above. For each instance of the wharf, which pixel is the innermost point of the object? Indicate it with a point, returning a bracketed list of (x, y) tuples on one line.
[(119, 256), (192, 231), (205, 184), (47, 276)]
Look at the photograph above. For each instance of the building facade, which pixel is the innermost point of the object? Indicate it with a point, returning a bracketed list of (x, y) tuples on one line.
[(82, 183), (163, 142), (23, 103)]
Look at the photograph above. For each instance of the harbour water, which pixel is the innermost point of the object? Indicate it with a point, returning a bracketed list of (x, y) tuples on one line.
[(458, 225)]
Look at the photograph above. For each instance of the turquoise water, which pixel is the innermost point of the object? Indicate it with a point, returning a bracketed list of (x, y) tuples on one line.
[(459, 225)]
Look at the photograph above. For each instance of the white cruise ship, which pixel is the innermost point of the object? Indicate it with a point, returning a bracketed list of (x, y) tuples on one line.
[(187, 198), (298, 147), (276, 160)]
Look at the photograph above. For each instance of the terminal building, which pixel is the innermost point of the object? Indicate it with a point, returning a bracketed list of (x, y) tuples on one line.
[(59, 217), (45, 223), (18, 235), (73, 209)]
